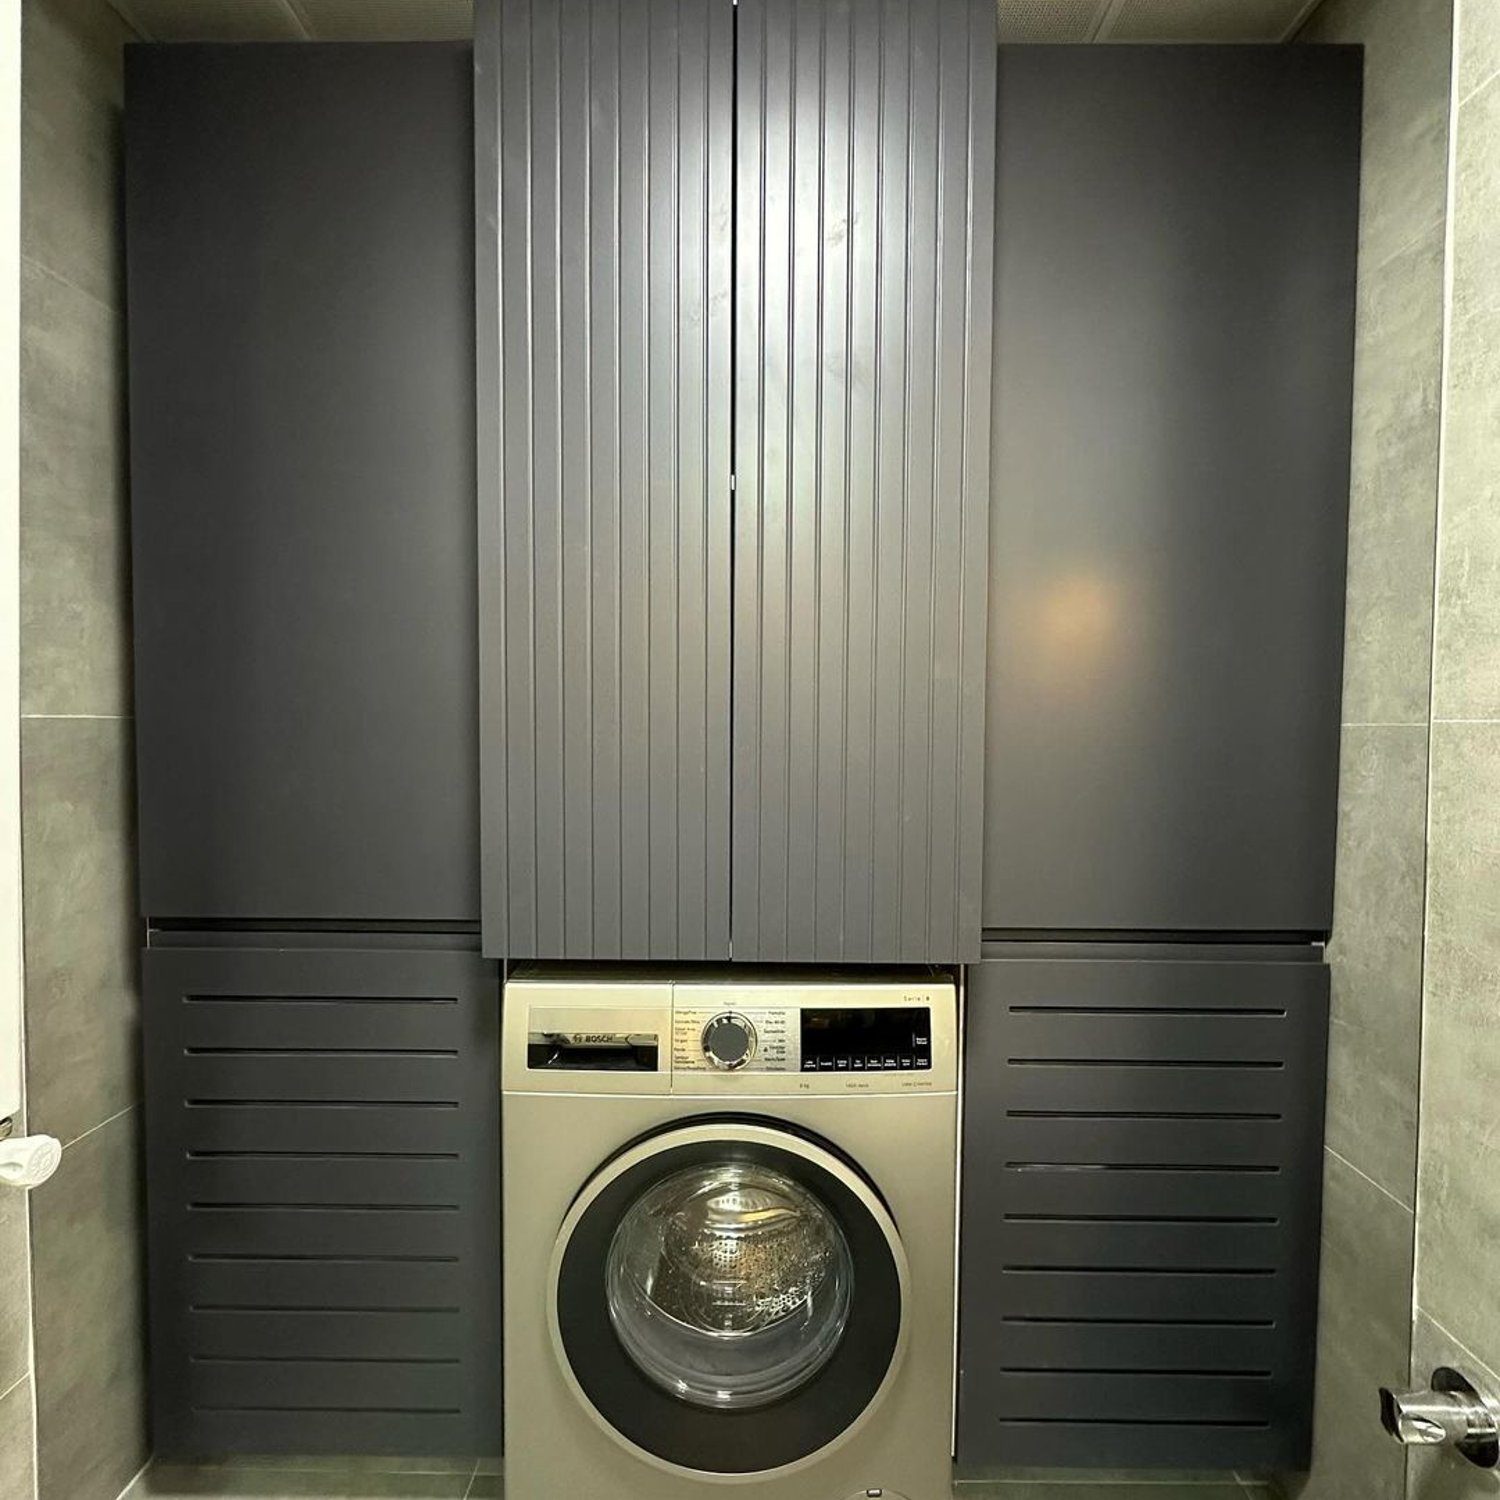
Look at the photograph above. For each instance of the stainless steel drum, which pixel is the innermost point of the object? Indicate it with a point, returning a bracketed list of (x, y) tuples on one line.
[(729, 1285)]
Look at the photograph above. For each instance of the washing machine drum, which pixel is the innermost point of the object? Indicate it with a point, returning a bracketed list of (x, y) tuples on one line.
[(728, 1298)]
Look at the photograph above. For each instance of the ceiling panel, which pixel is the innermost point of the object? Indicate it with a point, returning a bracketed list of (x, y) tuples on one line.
[(388, 20), (1051, 20), (1202, 20), (410, 20), (212, 20)]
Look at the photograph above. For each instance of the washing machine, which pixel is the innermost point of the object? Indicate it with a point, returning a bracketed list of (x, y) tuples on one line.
[(729, 1236)]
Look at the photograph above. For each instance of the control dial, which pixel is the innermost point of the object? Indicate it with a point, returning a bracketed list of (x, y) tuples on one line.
[(729, 1041)]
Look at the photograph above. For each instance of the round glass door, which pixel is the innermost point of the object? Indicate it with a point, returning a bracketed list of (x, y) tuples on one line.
[(729, 1285), (728, 1297)]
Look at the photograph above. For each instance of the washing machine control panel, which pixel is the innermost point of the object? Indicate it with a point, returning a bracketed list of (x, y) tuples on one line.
[(825, 1043), (726, 1037), (755, 1039)]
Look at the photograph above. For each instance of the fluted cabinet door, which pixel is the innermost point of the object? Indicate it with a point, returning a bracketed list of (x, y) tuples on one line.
[(864, 234), (604, 224)]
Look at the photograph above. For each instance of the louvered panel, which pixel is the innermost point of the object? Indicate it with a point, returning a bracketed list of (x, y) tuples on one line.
[(249, 1384), (1142, 1176), (343, 1076), (323, 1179), (415, 1332), (864, 186), (1081, 1345), (281, 1429), (327, 1127), (385, 1022), (604, 162), (244, 1279), (316, 1177)]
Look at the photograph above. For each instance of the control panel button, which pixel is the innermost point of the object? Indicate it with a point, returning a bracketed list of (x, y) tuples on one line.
[(729, 1041)]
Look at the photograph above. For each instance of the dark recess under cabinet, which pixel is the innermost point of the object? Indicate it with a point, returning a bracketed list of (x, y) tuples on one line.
[(1142, 1187), (323, 1180)]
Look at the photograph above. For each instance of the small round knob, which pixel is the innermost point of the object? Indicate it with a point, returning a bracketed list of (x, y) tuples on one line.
[(729, 1041)]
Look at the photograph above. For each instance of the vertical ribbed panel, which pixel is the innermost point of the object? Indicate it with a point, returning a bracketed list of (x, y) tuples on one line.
[(864, 233), (604, 196)]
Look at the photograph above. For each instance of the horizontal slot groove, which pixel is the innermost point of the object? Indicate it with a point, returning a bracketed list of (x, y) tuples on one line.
[(1097, 1270), (1130, 1422), (194, 1155), (313, 1359), (433, 1052), (1140, 1322), (319, 1312), (342, 1208), (1144, 1010), (1141, 1219), (1135, 1372), (231, 1258), (1140, 1114), (1135, 1166), (372, 1411), (321, 1103), (320, 999), (1257, 1065)]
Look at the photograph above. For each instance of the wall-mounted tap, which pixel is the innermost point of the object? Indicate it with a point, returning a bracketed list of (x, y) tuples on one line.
[(1452, 1413)]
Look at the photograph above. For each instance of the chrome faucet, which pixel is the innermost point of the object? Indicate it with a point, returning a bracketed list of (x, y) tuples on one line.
[(1452, 1412)]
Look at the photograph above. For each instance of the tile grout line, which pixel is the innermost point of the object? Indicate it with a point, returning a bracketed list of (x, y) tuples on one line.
[(1407, 246), (1450, 204), (134, 1478), (114, 309), (1457, 1342), (1479, 87), (93, 718), (1408, 1207)]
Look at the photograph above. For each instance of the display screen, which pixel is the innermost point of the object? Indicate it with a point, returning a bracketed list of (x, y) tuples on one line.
[(859, 1039)]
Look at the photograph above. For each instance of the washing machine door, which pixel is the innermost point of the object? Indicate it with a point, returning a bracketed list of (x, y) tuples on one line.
[(728, 1298)]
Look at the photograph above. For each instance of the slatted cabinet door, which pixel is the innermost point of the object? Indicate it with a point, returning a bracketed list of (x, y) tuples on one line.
[(1140, 1230), (863, 238), (323, 1182), (604, 135)]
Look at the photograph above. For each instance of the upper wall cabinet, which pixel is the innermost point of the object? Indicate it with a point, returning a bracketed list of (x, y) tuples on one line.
[(863, 240), (302, 480), (815, 180), (1174, 309), (605, 206)]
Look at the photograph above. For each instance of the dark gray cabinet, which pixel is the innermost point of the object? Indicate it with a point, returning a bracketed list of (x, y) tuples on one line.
[(323, 1179), (787, 205), (301, 363), (1174, 309), (863, 238), (1140, 1213), (604, 191)]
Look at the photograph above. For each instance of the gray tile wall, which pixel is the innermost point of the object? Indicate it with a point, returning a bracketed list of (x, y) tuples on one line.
[(1457, 1293), (77, 836), (1377, 949)]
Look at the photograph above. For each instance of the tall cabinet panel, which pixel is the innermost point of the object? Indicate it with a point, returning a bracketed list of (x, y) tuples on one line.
[(604, 210), (1174, 312), (1143, 1170), (302, 481), (863, 238)]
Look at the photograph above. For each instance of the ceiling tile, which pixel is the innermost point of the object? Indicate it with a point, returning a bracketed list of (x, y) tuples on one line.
[(388, 20), (212, 20), (1201, 20), (1050, 20)]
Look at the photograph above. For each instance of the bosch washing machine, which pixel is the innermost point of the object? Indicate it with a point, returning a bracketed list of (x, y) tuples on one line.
[(729, 1237)]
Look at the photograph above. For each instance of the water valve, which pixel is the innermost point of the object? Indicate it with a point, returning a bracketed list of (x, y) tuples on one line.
[(1452, 1413)]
